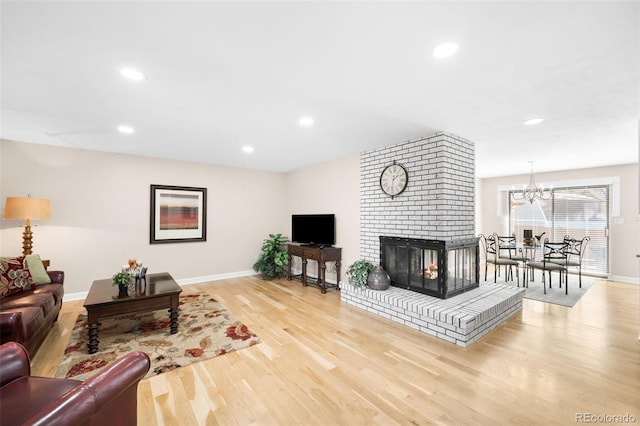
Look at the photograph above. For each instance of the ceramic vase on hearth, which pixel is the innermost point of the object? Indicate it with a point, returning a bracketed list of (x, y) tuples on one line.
[(378, 279)]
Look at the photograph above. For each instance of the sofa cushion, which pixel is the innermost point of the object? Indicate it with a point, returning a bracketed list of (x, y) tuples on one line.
[(15, 276), (38, 273), (44, 301), (57, 290)]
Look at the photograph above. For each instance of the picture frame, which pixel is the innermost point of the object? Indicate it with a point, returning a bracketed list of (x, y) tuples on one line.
[(178, 214)]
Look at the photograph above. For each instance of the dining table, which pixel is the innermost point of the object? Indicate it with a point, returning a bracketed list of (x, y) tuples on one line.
[(525, 251)]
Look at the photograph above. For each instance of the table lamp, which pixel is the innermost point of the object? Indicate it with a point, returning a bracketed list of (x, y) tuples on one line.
[(27, 209)]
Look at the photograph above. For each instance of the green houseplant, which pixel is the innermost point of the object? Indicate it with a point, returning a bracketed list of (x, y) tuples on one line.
[(121, 278), (272, 263), (358, 272)]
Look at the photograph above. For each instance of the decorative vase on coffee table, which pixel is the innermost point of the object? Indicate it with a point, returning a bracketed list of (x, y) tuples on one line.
[(378, 279)]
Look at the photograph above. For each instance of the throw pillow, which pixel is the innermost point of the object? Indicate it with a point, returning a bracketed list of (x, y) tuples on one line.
[(38, 273), (15, 276)]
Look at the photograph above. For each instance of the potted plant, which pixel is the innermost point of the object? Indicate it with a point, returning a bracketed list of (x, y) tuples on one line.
[(122, 280), (358, 272), (272, 263)]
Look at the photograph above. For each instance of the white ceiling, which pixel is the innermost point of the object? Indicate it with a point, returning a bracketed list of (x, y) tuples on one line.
[(222, 75)]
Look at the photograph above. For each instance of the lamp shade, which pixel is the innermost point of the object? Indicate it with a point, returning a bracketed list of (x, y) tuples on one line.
[(27, 208)]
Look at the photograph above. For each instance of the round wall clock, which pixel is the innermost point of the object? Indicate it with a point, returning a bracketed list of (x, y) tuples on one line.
[(394, 179)]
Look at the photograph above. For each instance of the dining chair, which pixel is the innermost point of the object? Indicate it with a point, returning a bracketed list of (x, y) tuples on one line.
[(554, 258), (490, 247), (537, 243), (508, 249), (575, 251)]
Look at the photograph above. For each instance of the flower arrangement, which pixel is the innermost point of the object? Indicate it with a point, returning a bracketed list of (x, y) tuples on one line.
[(135, 269)]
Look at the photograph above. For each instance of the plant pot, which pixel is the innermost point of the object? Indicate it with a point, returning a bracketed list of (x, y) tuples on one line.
[(378, 279), (122, 290)]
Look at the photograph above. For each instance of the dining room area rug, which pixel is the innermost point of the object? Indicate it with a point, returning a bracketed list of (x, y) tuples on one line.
[(205, 330), (555, 294)]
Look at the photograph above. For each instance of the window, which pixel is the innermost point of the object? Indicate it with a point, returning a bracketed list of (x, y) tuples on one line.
[(575, 211)]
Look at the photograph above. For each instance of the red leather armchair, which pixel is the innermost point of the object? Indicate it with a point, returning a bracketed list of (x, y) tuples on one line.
[(107, 398)]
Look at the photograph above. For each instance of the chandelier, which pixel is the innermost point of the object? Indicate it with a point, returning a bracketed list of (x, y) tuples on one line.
[(532, 192)]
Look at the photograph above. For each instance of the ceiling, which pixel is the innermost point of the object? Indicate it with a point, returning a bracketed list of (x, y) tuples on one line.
[(224, 75)]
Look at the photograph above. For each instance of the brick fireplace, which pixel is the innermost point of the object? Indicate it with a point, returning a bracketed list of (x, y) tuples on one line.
[(439, 202), (438, 205), (435, 267)]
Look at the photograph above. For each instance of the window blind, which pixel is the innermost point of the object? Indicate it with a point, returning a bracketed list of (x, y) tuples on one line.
[(574, 211)]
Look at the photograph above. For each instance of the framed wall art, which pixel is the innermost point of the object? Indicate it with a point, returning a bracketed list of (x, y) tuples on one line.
[(178, 214)]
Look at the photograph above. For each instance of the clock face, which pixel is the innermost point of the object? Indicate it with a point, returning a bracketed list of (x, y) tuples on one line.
[(393, 179)]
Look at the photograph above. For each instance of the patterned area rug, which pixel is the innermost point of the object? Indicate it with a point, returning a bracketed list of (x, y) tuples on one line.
[(205, 330)]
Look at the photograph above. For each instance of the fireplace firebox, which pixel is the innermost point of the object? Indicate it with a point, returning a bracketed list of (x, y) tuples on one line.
[(438, 268)]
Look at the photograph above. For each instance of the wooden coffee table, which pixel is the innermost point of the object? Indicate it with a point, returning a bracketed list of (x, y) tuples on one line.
[(159, 292)]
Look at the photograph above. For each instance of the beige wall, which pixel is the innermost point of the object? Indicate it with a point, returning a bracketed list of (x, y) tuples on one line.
[(100, 208), (624, 237), (331, 187), (100, 212)]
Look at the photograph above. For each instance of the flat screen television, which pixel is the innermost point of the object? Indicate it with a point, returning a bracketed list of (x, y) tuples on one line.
[(313, 229)]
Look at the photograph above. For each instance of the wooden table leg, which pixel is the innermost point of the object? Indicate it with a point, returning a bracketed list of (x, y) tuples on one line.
[(93, 338), (323, 268), (304, 271), (173, 313), (173, 318)]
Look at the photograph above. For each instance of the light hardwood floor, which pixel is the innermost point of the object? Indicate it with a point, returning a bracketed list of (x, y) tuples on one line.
[(325, 363)]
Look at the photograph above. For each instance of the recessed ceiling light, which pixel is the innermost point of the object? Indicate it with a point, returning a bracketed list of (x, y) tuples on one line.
[(445, 50), (247, 149), (127, 130), (306, 121), (132, 74), (533, 121)]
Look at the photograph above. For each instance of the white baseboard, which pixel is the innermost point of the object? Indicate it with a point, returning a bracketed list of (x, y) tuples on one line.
[(75, 296), (630, 280), (217, 277), (181, 282)]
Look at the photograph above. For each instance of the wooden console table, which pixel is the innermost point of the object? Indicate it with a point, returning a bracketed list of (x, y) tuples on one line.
[(322, 255)]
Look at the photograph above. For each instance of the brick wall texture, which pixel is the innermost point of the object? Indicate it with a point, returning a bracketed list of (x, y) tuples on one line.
[(438, 203)]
